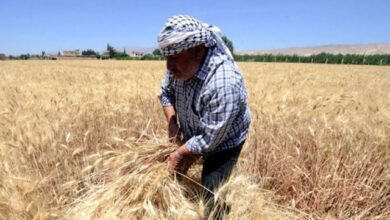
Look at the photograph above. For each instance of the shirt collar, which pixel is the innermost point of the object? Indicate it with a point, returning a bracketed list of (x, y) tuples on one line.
[(208, 65)]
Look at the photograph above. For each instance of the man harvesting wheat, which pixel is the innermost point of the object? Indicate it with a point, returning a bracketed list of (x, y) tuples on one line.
[(203, 95)]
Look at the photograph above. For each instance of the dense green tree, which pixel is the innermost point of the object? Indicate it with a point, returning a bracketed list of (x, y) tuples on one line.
[(228, 43), (121, 55), (149, 56), (111, 51), (89, 52), (157, 52), (25, 56)]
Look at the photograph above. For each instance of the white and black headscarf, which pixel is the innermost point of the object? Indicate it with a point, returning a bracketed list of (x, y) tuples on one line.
[(182, 32)]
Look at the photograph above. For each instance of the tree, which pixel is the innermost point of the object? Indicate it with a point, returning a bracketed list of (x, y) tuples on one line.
[(25, 56), (111, 51), (157, 52), (121, 56), (148, 56), (228, 43), (89, 52), (3, 56)]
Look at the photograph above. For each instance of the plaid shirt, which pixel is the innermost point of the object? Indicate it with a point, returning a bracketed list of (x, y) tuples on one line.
[(211, 107)]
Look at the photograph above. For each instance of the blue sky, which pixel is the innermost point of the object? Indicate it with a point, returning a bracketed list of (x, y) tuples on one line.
[(32, 26)]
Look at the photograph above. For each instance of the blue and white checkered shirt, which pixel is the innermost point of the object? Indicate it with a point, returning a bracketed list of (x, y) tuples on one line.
[(211, 107)]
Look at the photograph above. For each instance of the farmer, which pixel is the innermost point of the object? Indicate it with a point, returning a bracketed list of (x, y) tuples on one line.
[(204, 97)]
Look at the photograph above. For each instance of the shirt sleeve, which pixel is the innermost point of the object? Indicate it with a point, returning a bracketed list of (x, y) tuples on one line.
[(220, 111), (166, 96)]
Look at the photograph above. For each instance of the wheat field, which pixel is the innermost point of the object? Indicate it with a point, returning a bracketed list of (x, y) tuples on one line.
[(87, 140)]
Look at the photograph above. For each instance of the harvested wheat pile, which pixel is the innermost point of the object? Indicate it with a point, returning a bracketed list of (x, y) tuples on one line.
[(133, 183), (137, 185)]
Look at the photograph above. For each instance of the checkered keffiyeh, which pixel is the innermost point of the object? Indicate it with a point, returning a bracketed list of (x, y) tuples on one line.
[(182, 32)]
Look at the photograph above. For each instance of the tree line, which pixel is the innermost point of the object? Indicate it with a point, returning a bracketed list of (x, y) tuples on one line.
[(327, 58), (377, 59)]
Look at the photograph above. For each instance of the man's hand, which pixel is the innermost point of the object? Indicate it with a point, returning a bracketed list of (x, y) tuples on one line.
[(175, 160), (180, 160), (173, 127), (173, 130)]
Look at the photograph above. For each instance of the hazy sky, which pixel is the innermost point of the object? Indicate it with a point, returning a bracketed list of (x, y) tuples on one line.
[(31, 26)]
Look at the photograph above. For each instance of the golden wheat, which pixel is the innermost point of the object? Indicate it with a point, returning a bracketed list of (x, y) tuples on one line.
[(86, 140)]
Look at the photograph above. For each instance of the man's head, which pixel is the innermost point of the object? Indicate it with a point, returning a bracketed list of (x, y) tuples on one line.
[(182, 32), (184, 41), (185, 64)]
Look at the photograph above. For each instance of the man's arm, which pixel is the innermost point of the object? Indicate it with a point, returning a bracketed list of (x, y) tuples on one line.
[(166, 99), (175, 158), (170, 115)]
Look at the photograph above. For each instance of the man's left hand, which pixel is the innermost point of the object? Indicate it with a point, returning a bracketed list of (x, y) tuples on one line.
[(175, 161)]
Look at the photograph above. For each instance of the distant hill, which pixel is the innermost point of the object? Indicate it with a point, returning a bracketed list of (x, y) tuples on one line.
[(383, 48)]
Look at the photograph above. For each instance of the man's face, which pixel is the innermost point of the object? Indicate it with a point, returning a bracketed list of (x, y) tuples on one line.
[(185, 64)]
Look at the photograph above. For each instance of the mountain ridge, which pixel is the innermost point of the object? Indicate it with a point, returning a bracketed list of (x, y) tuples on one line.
[(368, 49)]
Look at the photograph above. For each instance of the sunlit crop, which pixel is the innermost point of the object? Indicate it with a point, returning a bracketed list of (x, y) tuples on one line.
[(87, 140)]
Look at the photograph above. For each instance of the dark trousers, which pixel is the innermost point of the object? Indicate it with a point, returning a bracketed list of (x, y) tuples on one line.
[(216, 170)]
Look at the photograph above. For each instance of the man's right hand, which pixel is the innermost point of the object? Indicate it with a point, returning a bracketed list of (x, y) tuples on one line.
[(173, 127), (173, 130)]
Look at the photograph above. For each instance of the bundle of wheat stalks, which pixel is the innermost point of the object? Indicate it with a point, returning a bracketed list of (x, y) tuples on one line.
[(130, 182), (136, 184)]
